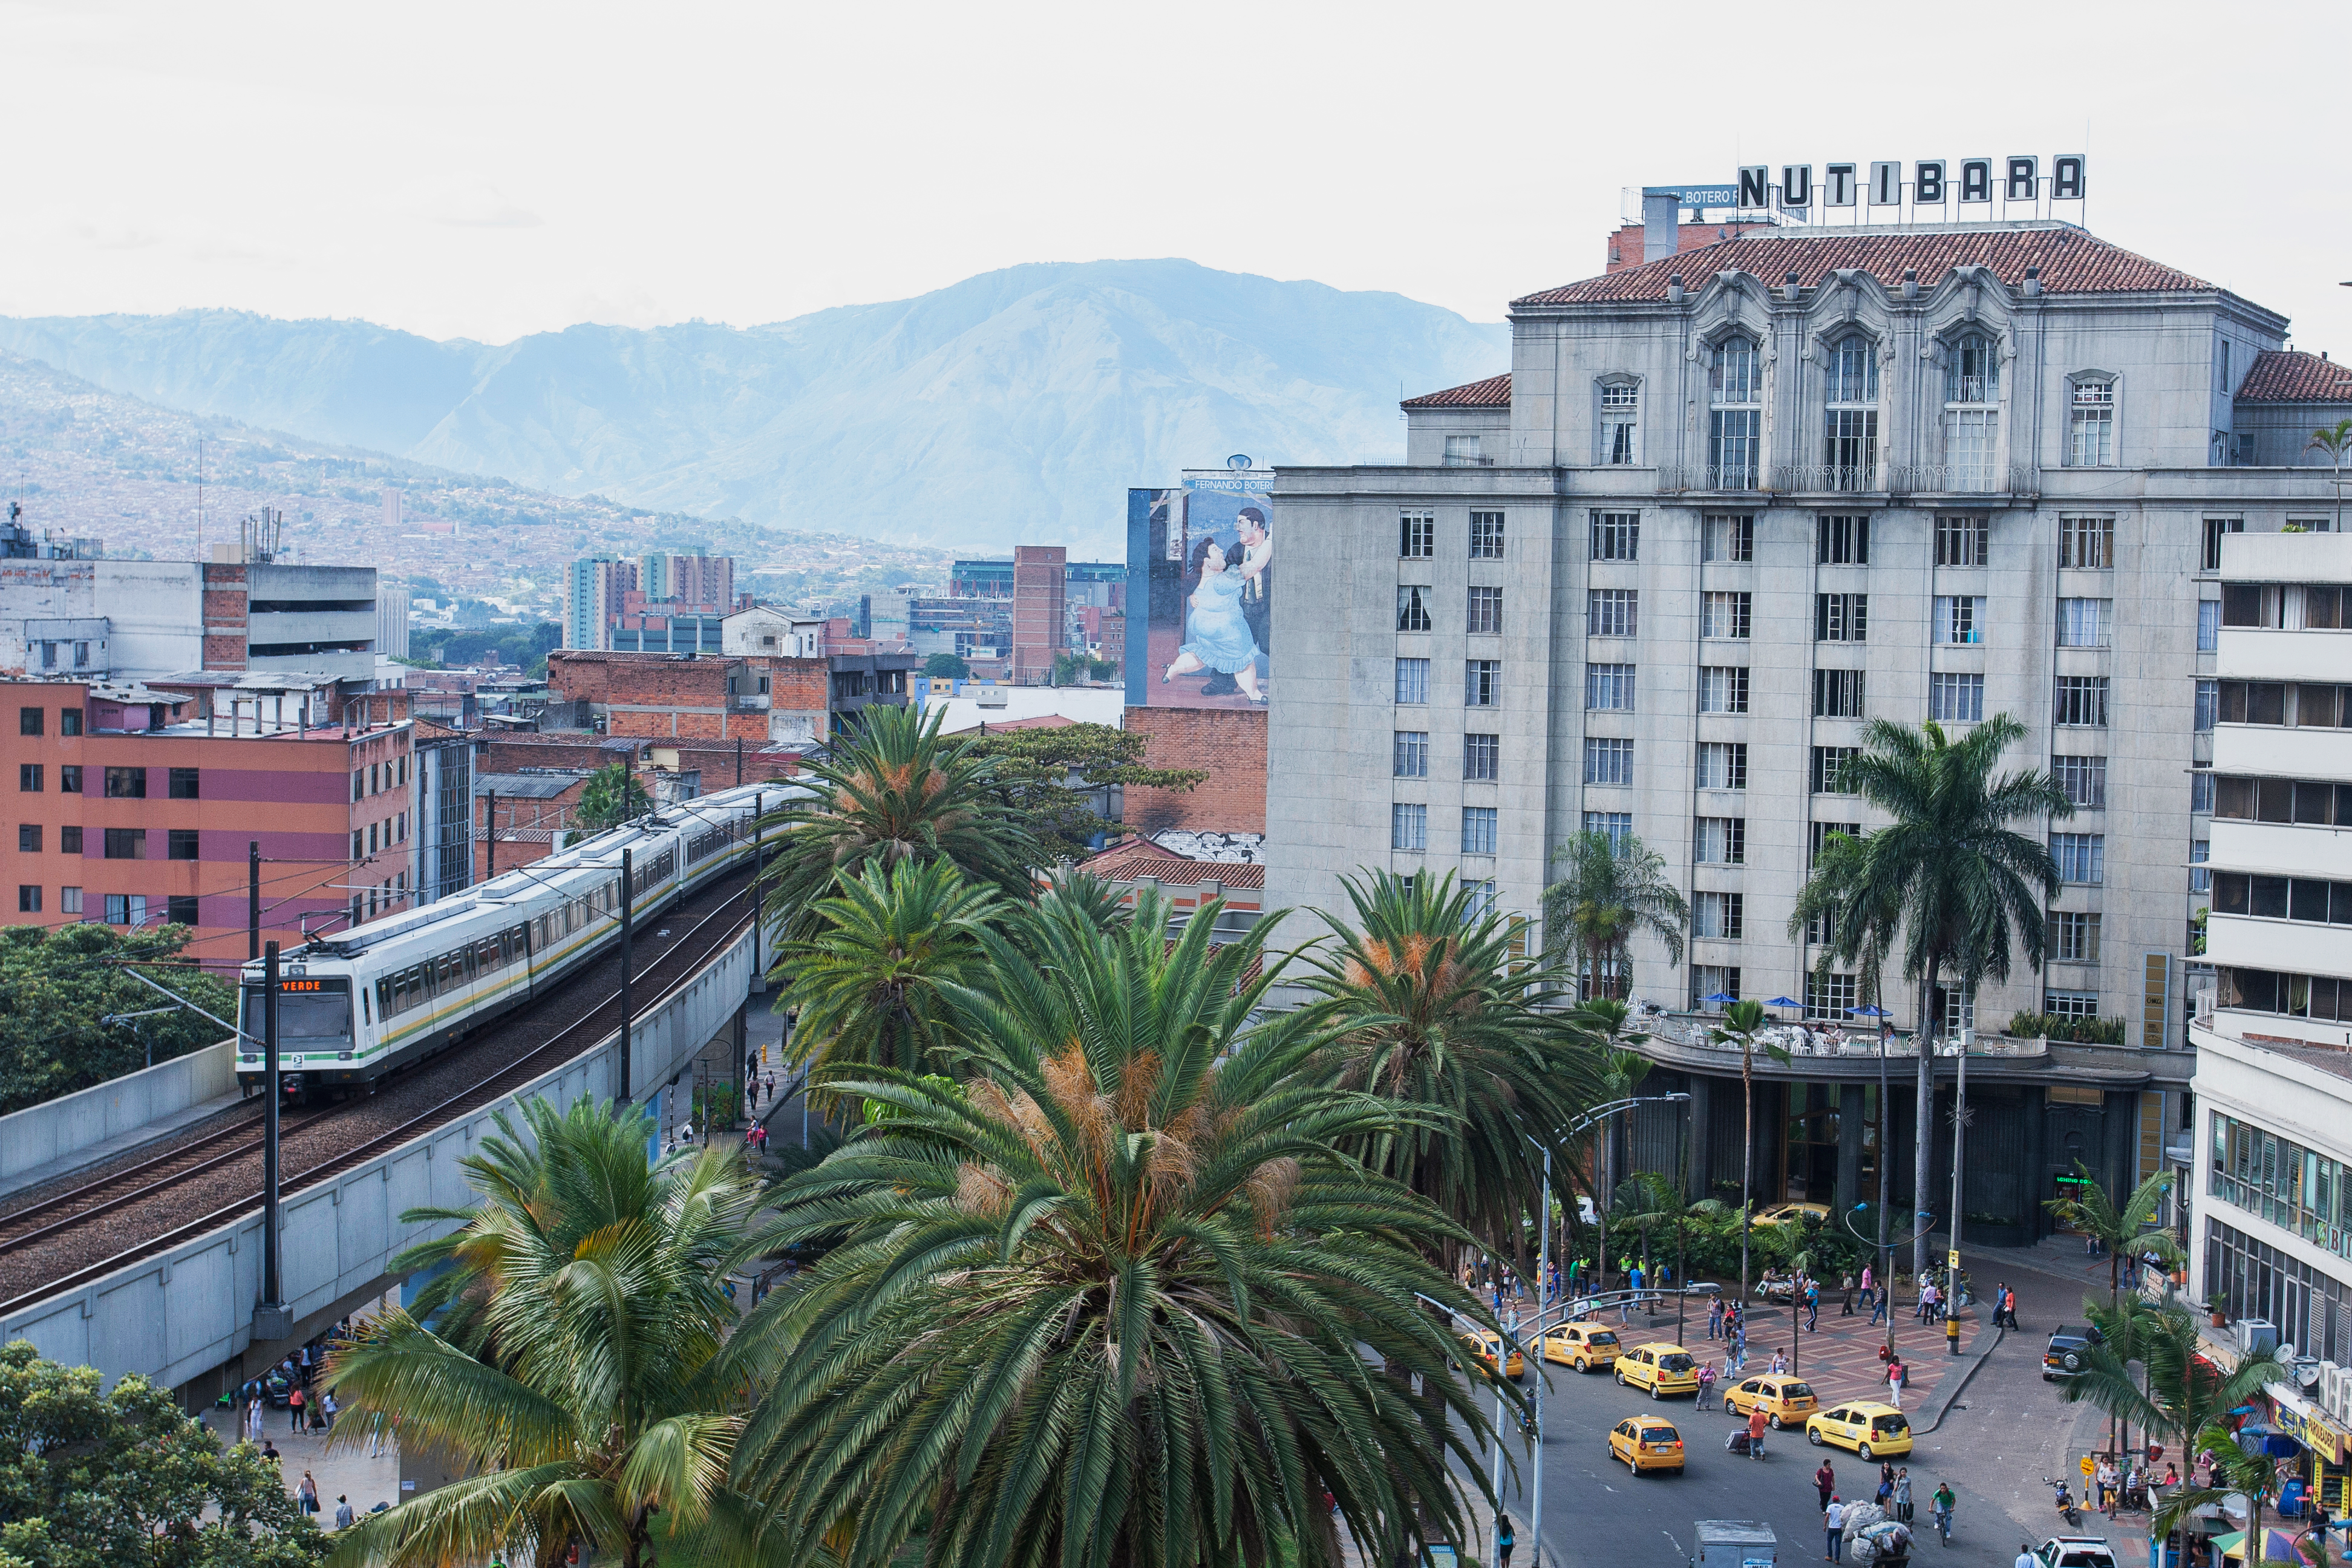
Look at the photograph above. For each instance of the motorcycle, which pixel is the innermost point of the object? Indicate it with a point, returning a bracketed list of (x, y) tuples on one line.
[(2065, 1501)]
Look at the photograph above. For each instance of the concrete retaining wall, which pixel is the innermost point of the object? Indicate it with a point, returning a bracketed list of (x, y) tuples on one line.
[(179, 1315), (72, 1122)]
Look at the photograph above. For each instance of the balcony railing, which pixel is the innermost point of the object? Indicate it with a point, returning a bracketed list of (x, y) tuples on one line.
[(1853, 479), (1963, 479), (1816, 479), (1707, 477)]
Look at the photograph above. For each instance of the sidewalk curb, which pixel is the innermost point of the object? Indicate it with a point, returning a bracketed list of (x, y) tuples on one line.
[(1950, 1391)]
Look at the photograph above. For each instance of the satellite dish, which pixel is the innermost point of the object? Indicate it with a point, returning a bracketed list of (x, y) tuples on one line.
[(2306, 1372), (1238, 460)]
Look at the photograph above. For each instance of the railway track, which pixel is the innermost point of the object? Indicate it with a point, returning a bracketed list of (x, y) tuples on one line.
[(65, 1239)]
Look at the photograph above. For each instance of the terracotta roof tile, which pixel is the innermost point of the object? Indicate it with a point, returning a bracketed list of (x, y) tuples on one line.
[(2288, 375), (1494, 391), (2071, 261)]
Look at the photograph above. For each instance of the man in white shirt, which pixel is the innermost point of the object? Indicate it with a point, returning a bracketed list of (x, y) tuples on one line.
[(1833, 1517), (2026, 1558)]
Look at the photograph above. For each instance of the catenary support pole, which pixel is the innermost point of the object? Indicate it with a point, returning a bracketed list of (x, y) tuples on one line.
[(253, 899), (1952, 1254), (628, 926), (1543, 1283), (490, 838), (269, 1317)]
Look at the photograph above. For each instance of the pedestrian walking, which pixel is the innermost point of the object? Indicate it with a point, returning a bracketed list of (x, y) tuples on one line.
[(1895, 1384), (1780, 1363), (294, 1409), (1884, 1495), (1504, 1539), (344, 1518), (1869, 1279), (1825, 1483), (327, 1405), (1834, 1516), (1757, 1426), (270, 1452), (1705, 1383), (1813, 1306), (1715, 1318), (1903, 1494), (306, 1494), (253, 1419), (1877, 1300), (1845, 1286), (376, 1436)]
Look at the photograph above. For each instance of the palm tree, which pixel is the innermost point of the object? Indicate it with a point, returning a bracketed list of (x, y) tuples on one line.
[(1742, 1022), (575, 1377), (1613, 888), (2254, 1477), (1110, 1301), (612, 796), (2336, 440), (1968, 884), (1621, 1071), (1424, 1005), (894, 789), (2132, 1228), (868, 983)]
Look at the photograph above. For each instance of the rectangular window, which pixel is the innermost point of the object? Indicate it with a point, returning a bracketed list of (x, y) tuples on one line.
[(70, 718), (180, 911), (1482, 683), (1830, 996), (1412, 608), (1481, 758), (1478, 830), (1412, 681), (2085, 780), (1713, 980), (1607, 761), (2070, 1004), (1837, 693), (28, 898), (2084, 623), (183, 784), (126, 909), (1411, 755), (1720, 841), (1621, 405), (1820, 833), (126, 843), (1840, 617), (2215, 528), (2081, 856), (1718, 916), (2210, 695), (358, 784), (357, 837), (29, 839), (1727, 537), (1462, 452), (2074, 938), (1485, 536), (29, 721), (69, 778), (1733, 443), (1726, 615), (2200, 875), (1828, 769), (180, 844), (68, 840), (1723, 764), (2081, 699), (1723, 688), (1481, 897), (29, 777), (1409, 826), (1616, 535), (1955, 698), (126, 784), (1617, 826), (2201, 793), (1963, 541), (1417, 536), (1609, 687), (1842, 540), (2208, 626), (1485, 612), (1960, 618), (2252, 604), (2091, 425), (69, 901), (1611, 612), (2086, 543)]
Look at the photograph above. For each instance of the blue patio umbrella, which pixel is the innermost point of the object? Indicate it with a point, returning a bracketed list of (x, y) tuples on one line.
[(1719, 996), (1870, 1012), (1784, 1002)]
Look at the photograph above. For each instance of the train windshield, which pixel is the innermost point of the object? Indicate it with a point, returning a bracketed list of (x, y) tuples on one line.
[(311, 1015)]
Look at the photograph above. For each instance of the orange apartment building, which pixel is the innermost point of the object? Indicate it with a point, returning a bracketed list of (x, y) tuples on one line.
[(123, 808)]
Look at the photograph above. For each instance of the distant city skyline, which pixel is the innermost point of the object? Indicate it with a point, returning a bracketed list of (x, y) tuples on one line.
[(463, 172)]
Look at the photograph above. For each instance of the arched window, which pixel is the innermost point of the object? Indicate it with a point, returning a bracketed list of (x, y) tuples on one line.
[(1734, 379), (1971, 412), (1620, 421), (1850, 415), (2091, 424)]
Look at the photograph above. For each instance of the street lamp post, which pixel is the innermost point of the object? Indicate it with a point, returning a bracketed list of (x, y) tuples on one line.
[(1952, 1254)]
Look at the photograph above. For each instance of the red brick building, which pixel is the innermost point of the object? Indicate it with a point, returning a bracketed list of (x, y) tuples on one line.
[(1226, 743), (1040, 574)]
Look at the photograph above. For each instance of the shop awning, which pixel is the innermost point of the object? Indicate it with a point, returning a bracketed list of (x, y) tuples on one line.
[(2305, 1422)]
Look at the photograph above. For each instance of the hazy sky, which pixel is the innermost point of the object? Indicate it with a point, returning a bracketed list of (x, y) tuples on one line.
[(491, 169)]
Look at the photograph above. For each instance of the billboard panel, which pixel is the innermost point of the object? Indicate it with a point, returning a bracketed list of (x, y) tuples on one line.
[(1200, 557)]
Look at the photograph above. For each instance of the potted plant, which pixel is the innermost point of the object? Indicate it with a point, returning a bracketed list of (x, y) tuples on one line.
[(2217, 1312)]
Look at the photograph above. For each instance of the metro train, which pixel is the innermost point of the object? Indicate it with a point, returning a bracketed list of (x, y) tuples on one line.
[(352, 1008)]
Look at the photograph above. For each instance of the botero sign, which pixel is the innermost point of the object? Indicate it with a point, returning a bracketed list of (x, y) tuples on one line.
[(1931, 184)]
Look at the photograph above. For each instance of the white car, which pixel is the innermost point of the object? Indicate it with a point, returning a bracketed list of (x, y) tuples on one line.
[(2075, 1551)]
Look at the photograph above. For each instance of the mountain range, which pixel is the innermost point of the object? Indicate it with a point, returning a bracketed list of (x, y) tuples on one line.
[(1015, 407)]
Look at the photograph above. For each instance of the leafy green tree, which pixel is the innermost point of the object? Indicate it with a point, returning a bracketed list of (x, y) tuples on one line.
[(2129, 1228), (572, 1371), (1110, 1300), (870, 984), (1612, 887), (611, 796), (57, 988), (947, 666), (1968, 884), (121, 1478), (893, 788), (1052, 778), (2236, 1474), (1425, 1006)]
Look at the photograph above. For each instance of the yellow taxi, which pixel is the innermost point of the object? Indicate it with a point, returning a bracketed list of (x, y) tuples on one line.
[(1783, 1214), (1583, 1346), (1663, 1368), (1872, 1430), (1483, 1344), (1785, 1401), (1646, 1442)]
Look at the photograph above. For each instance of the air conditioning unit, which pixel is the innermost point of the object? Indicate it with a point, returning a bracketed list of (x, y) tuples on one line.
[(2256, 1336), (2331, 1390)]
